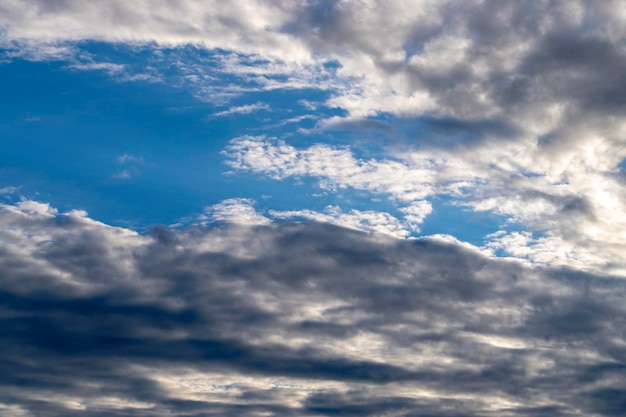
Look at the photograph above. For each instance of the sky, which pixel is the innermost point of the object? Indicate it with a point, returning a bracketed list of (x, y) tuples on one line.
[(312, 208)]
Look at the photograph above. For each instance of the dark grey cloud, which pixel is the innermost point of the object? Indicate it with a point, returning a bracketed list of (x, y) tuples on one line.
[(516, 59), (310, 319)]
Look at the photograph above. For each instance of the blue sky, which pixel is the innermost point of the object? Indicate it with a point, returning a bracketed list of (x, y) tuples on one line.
[(312, 207), (140, 152)]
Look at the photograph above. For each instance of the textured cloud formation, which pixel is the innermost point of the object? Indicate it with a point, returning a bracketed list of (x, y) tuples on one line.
[(528, 63), (580, 208), (293, 319), (509, 107), (517, 103)]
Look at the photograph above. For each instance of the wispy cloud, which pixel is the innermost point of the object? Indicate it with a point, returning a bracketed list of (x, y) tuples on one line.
[(129, 158), (336, 168), (109, 67), (123, 175), (245, 109), (8, 190)]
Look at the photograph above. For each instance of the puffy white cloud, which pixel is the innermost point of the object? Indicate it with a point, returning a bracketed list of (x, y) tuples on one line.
[(369, 220), (234, 210), (415, 213)]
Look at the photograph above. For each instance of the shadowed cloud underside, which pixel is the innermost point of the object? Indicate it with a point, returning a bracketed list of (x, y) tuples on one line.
[(293, 319)]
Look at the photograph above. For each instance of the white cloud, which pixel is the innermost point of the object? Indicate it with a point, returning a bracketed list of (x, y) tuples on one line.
[(368, 221), (109, 67), (241, 211), (234, 210), (424, 57), (36, 208), (335, 168), (415, 213), (245, 109)]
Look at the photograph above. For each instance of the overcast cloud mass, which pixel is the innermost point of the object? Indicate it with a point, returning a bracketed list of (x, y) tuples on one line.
[(304, 208)]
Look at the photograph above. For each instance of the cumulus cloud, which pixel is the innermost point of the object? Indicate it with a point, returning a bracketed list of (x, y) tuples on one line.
[(314, 319), (369, 220), (234, 210)]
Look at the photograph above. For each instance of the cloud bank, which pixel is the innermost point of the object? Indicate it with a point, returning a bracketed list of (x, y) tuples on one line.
[(293, 319)]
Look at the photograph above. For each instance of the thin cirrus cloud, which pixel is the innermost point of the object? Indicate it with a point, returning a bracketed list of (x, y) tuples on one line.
[(245, 109)]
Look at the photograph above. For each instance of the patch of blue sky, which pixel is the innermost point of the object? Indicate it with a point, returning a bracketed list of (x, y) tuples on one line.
[(65, 133), (464, 223), (67, 130)]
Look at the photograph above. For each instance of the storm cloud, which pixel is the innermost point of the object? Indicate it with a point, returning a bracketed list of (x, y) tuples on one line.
[(293, 319)]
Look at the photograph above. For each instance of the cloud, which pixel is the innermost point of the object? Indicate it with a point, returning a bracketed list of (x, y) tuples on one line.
[(369, 220), (477, 61), (133, 164), (336, 168), (234, 210), (245, 109), (314, 319), (8, 190), (99, 66), (129, 158), (575, 197), (512, 108), (123, 175), (242, 211)]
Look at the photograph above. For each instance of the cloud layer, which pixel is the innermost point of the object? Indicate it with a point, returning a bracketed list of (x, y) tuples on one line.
[(293, 319)]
